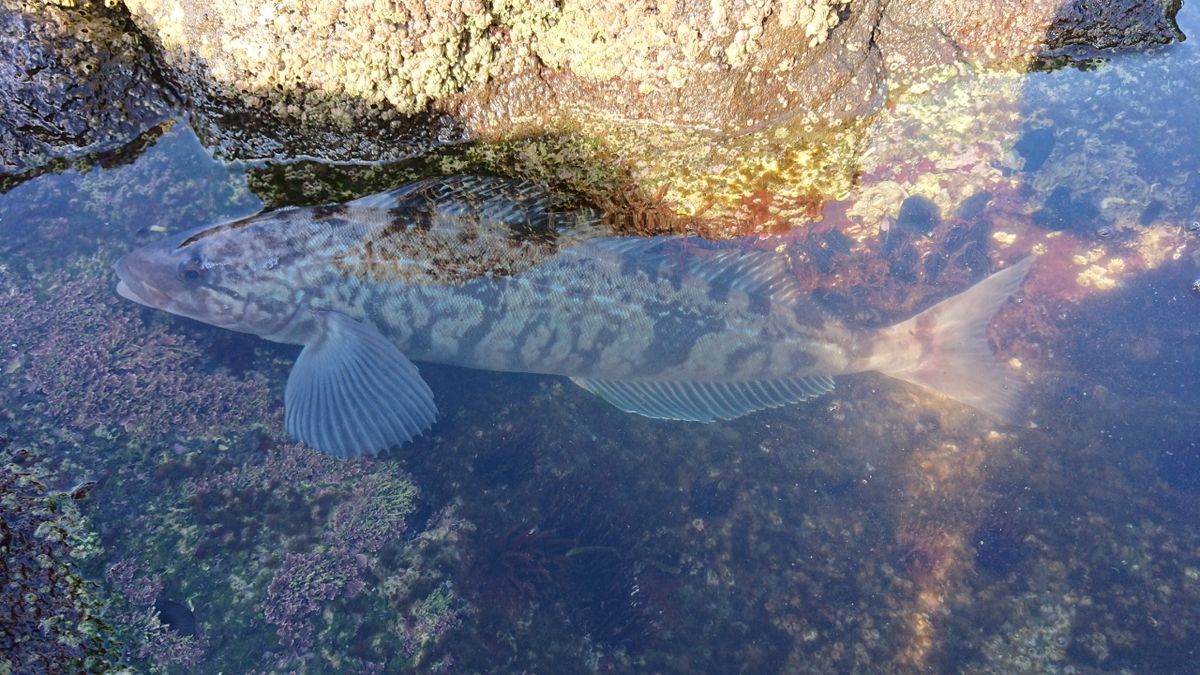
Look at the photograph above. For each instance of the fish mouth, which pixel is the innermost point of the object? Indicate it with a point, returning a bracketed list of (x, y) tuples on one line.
[(133, 286)]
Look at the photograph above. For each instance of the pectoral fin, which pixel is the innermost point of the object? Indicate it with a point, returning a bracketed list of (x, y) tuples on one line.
[(353, 393)]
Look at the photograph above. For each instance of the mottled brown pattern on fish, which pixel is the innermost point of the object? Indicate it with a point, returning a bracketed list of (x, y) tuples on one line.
[(328, 211), (480, 282), (446, 252), (591, 315)]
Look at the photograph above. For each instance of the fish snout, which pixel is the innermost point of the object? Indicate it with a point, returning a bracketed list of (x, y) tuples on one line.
[(133, 273)]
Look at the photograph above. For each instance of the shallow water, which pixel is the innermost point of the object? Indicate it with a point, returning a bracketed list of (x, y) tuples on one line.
[(535, 528)]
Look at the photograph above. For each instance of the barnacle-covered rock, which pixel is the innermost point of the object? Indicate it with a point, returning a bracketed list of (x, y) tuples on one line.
[(747, 111), (398, 78)]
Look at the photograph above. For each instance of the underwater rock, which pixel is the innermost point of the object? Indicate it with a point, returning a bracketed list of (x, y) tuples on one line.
[(1063, 211), (918, 215), (903, 264), (50, 616), (506, 463), (973, 207), (827, 249), (934, 266), (73, 81), (999, 540), (1034, 146), (1151, 213)]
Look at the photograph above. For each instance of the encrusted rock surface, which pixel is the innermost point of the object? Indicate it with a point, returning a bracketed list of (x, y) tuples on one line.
[(376, 79), (73, 81)]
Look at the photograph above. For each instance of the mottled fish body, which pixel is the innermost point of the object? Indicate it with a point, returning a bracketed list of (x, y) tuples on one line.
[(494, 274)]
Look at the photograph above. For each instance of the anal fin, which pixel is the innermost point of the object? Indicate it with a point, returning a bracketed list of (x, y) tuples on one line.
[(705, 401)]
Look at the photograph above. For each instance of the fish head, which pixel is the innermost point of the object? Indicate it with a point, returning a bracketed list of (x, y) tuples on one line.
[(227, 275)]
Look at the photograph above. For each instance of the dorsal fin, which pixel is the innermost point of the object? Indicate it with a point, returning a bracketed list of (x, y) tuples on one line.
[(733, 264), (455, 229), (523, 208)]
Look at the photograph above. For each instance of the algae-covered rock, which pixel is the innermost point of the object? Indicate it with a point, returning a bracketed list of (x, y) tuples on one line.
[(51, 615), (384, 80), (74, 80), (752, 112)]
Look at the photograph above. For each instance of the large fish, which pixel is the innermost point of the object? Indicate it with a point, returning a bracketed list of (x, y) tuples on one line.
[(491, 273)]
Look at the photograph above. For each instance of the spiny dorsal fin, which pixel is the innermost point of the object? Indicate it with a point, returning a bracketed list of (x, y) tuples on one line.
[(705, 401), (523, 208), (455, 229)]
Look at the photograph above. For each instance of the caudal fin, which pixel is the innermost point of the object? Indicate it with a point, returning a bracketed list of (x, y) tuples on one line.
[(945, 348)]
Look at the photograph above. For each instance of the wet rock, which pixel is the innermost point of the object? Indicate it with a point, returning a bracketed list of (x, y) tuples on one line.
[(446, 70), (1111, 25), (973, 207), (1034, 146), (73, 81), (919, 33), (1063, 211), (351, 82)]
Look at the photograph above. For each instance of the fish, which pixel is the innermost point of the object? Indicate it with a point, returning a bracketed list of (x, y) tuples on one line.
[(499, 274)]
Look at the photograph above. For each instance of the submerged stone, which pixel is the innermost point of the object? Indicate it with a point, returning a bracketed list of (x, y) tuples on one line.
[(918, 215), (1064, 212), (713, 499), (999, 542), (1151, 213), (1034, 147), (973, 207), (903, 265), (830, 246), (917, 218)]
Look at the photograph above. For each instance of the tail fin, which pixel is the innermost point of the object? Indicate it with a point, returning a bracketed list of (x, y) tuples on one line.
[(945, 348)]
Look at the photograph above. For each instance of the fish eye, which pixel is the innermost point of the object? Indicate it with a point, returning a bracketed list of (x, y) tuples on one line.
[(192, 270)]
